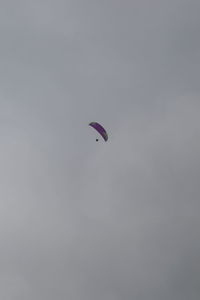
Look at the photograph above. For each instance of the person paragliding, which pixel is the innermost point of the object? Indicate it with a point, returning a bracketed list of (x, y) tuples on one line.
[(99, 128)]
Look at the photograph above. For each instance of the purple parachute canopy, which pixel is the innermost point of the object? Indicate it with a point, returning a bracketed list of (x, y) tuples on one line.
[(100, 130)]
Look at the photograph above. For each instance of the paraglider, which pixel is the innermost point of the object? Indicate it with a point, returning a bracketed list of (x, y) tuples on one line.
[(99, 128)]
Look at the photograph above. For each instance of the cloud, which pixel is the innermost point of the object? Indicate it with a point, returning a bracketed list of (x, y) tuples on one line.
[(87, 220)]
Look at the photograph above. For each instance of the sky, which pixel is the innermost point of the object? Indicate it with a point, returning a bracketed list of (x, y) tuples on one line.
[(81, 220)]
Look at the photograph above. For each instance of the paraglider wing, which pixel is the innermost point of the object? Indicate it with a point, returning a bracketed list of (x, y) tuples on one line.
[(100, 130)]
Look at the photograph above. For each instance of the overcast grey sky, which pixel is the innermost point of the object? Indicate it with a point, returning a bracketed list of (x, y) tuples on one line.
[(81, 220)]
